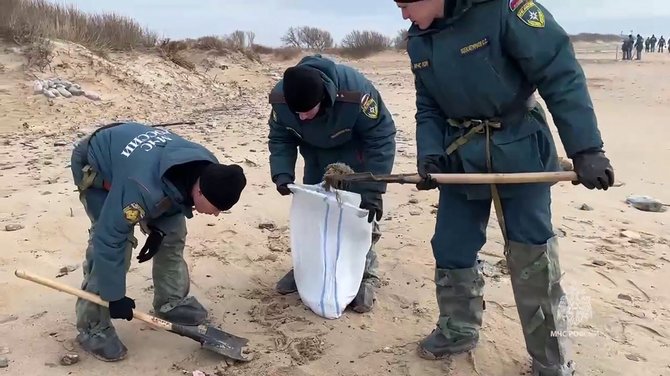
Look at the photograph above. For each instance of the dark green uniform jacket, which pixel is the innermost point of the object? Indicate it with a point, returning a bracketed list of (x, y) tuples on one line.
[(133, 158), (486, 61), (355, 128)]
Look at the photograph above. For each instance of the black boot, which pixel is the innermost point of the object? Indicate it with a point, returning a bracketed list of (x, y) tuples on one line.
[(287, 285), (105, 345), (190, 314)]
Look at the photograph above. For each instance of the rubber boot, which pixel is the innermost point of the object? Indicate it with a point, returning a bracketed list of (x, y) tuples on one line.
[(365, 298), (287, 285), (190, 312), (460, 298), (535, 274), (105, 345)]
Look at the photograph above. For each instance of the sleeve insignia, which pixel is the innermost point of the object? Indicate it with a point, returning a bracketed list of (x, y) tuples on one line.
[(133, 213), (531, 14), (369, 106)]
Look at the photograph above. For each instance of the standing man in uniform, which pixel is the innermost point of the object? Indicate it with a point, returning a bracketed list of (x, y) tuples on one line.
[(130, 173), (661, 44), (638, 47), (332, 113), (477, 64)]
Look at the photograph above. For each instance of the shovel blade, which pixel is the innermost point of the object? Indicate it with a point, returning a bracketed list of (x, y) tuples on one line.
[(226, 344), (216, 340)]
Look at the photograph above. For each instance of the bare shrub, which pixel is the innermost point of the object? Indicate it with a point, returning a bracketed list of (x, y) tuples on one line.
[(307, 37), (39, 54), (171, 50), (287, 53), (263, 50), (237, 41), (400, 41), (361, 44), (210, 43), (251, 37), (24, 21)]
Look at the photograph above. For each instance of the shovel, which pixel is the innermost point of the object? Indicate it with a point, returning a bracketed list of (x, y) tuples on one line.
[(210, 338), (337, 180)]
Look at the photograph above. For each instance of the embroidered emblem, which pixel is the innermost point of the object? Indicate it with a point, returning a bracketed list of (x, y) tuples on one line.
[(475, 46), (531, 15), (369, 106), (133, 213)]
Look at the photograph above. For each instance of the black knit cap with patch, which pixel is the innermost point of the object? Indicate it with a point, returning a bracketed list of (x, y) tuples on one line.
[(222, 185), (303, 88)]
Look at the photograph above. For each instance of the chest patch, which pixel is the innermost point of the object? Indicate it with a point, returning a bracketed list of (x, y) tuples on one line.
[(531, 14), (369, 106), (475, 46), (420, 65)]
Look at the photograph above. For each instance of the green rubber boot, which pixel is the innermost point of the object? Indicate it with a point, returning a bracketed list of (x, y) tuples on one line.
[(536, 273), (460, 297)]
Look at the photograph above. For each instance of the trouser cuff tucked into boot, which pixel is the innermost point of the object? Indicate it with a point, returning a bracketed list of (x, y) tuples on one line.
[(104, 345), (186, 312), (535, 274), (460, 298)]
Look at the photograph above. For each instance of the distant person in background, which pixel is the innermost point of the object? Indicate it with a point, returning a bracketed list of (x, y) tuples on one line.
[(647, 44), (629, 49), (639, 45), (652, 43), (661, 44)]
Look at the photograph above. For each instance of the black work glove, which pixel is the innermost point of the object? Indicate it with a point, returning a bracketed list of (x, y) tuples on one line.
[(152, 245), (122, 308), (282, 182), (373, 203), (593, 170), (428, 165)]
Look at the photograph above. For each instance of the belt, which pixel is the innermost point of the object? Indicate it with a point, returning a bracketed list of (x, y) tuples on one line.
[(482, 126)]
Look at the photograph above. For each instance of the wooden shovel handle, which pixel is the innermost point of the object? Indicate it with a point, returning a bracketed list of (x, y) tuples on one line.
[(502, 178), (151, 320)]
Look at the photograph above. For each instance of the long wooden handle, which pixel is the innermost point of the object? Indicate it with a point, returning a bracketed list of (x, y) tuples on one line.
[(151, 320), (502, 178)]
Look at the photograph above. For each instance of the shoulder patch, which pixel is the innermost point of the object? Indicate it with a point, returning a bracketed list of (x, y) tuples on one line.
[(513, 4), (348, 96), (369, 106), (531, 14), (276, 97), (133, 213)]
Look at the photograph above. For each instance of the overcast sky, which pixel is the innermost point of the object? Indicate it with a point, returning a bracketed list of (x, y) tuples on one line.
[(270, 19)]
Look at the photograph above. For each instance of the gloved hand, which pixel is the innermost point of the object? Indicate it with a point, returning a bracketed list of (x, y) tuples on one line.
[(152, 245), (428, 165), (372, 202), (122, 308), (282, 182), (593, 170)]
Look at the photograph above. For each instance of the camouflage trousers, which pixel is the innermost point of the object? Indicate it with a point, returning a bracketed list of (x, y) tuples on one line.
[(171, 281)]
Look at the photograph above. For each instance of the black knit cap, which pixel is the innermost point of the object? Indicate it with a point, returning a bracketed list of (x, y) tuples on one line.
[(222, 184), (303, 88)]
